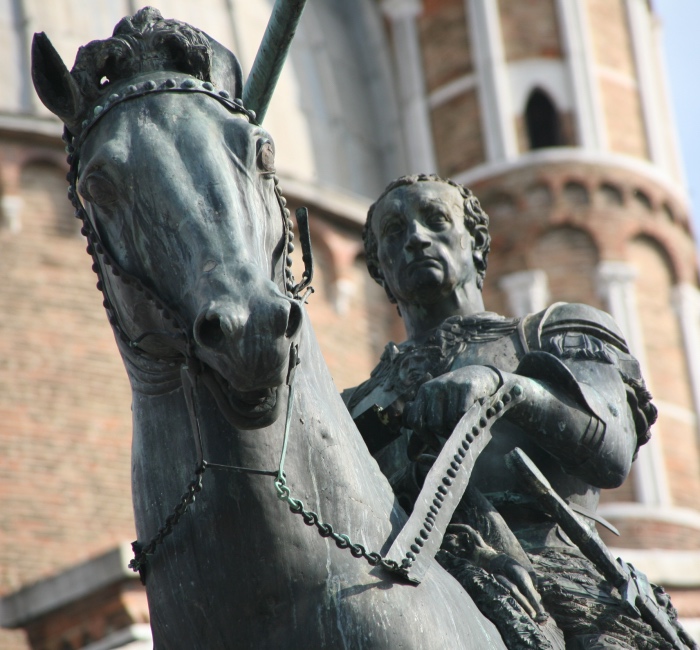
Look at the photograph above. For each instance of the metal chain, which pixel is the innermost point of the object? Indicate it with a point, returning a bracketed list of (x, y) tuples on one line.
[(310, 518), (141, 553), (341, 540)]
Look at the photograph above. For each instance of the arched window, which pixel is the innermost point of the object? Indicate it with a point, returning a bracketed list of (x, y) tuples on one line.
[(542, 121)]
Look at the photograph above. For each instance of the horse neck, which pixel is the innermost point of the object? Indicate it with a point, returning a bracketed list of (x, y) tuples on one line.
[(327, 464), (326, 438)]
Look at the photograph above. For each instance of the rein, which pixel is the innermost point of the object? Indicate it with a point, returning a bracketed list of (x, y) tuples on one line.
[(189, 372)]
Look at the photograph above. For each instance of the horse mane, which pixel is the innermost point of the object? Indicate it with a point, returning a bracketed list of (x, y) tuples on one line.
[(147, 42)]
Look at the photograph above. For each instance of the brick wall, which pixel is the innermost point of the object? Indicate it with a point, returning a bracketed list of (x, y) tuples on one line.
[(457, 134), (445, 42), (609, 32), (623, 118), (617, 77), (637, 533), (530, 29), (65, 424), (571, 259)]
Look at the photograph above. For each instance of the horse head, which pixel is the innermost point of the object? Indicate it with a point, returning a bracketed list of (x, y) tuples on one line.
[(176, 186)]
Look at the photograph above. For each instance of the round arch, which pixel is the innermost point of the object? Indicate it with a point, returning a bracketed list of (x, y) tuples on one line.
[(569, 255)]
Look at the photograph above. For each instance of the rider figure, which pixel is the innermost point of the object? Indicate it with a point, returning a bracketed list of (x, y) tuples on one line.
[(585, 414)]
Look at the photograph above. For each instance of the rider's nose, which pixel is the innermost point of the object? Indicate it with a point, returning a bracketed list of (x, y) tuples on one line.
[(418, 239)]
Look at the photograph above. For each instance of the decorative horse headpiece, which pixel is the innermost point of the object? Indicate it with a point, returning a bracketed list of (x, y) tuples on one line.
[(145, 46)]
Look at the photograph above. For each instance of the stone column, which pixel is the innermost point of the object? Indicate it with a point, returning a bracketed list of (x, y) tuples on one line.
[(11, 212), (639, 17), (687, 303), (616, 287), (497, 115), (527, 292), (418, 134), (575, 37)]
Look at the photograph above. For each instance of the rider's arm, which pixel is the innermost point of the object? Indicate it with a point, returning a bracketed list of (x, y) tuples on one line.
[(589, 407), (590, 431), (585, 401)]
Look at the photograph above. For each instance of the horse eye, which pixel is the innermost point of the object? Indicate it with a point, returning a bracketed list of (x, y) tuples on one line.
[(96, 188), (266, 157)]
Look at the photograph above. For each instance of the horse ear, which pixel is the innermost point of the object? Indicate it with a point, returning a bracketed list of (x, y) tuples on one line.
[(226, 70), (53, 82)]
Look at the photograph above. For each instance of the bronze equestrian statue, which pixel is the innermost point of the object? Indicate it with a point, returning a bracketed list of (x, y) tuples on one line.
[(239, 435)]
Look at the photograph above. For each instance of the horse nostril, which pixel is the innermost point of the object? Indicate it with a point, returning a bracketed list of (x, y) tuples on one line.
[(294, 319), (209, 332)]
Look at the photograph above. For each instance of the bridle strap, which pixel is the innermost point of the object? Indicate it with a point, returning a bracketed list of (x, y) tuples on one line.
[(189, 373), (164, 84)]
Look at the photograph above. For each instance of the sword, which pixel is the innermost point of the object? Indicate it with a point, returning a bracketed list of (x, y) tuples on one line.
[(632, 584), (271, 56)]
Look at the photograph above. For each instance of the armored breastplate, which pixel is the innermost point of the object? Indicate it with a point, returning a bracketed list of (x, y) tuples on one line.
[(377, 404)]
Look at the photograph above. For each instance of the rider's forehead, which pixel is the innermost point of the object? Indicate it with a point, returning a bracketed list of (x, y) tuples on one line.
[(414, 198)]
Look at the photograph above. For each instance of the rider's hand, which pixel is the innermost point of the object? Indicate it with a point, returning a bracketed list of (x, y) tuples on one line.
[(441, 402), (464, 541)]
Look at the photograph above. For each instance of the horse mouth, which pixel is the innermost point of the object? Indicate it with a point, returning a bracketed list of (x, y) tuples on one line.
[(244, 409)]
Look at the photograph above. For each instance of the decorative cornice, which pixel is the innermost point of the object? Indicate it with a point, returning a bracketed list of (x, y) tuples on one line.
[(39, 598), (561, 155), (49, 127), (334, 202), (663, 566), (134, 637)]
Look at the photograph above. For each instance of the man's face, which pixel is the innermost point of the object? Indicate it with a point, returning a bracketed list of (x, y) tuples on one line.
[(424, 248)]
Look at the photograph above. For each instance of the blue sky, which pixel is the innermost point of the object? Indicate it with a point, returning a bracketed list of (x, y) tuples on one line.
[(681, 25)]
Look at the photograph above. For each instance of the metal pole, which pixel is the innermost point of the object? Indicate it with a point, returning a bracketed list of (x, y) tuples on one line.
[(271, 55)]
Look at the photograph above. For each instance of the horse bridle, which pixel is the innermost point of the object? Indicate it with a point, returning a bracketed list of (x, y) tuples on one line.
[(99, 252), (191, 368)]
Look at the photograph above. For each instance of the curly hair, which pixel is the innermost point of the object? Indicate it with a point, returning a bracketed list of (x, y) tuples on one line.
[(473, 216)]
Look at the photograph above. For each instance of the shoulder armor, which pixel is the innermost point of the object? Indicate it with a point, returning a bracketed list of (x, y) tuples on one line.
[(564, 317)]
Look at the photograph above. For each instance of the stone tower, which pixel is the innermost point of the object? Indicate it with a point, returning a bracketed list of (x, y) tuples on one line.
[(555, 112)]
